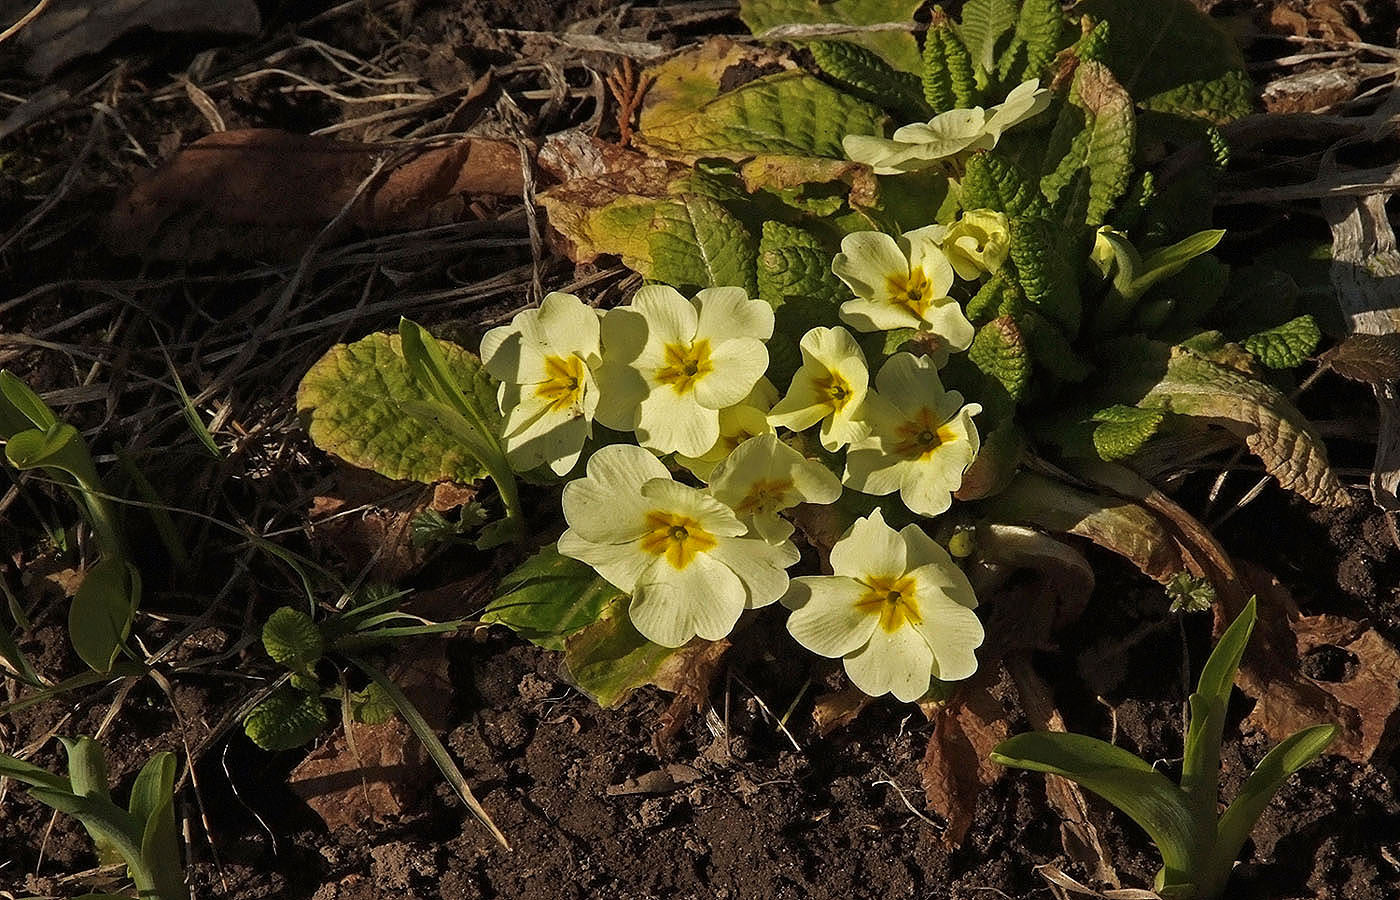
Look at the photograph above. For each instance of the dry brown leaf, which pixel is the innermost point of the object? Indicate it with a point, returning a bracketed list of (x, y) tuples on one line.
[(956, 765), (1364, 705), (688, 674), (838, 709), (262, 191), (68, 29), (367, 520), (377, 774)]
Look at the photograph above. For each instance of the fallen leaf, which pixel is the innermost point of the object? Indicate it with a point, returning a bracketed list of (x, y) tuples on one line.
[(838, 709), (367, 521), (1364, 705), (262, 191), (68, 29), (659, 781), (688, 674), (957, 764)]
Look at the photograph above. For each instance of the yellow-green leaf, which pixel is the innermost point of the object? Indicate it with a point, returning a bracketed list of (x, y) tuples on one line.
[(356, 395), (898, 48), (549, 597)]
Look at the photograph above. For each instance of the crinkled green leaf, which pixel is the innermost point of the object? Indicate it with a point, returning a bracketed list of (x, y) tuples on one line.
[(1041, 32), (997, 462), (1173, 58), (609, 659), (986, 29), (357, 395), (1286, 345), (948, 80), (789, 112), (371, 706), (992, 182), (1094, 134), (288, 718), (999, 292), (1042, 253), (1122, 430), (795, 266), (549, 597), (999, 351), (1267, 422), (897, 48), (865, 74), (292, 639), (697, 242)]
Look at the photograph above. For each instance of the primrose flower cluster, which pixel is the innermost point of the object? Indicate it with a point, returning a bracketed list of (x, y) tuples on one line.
[(688, 515)]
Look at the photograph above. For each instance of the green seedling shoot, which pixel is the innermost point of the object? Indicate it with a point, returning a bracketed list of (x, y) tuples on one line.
[(295, 711), (460, 415), (143, 835), (100, 616), (1198, 846)]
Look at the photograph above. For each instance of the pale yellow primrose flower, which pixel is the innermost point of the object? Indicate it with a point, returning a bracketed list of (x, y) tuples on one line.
[(975, 244), (830, 388), (678, 551), (745, 419), (670, 365), (901, 284), (545, 360), (763, 477), (922, 438), (922, 144), (898, 611)]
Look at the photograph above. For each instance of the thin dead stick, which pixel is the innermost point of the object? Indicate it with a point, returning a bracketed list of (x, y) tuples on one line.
[(24, 20)]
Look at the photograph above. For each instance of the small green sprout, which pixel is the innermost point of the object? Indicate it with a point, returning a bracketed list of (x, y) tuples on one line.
[(143, 835), (1198, 848)]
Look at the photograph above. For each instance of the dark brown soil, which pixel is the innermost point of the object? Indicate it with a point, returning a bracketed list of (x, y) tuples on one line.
[(734, 809)]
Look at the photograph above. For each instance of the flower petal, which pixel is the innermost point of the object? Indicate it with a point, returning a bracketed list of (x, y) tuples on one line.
[(621, 565), (674, 497), (826, 618), (870, 549), (569, 325), (607, 506), (669, 422), (909, 382), (739, 364), (951, 631), (898, 662), (761, 566), (670, 317), (866, 262), (670, 606), (728, 312)]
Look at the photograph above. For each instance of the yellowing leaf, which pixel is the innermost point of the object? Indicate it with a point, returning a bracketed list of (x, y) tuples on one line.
[(898, 48), (356, 397), (1269, 425), (691, 111)]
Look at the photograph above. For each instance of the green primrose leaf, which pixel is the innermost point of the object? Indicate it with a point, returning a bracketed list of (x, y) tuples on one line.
[(356, 397), (1090, 148), (549, 597), (1141, 792), (999, 350), (99, 618), (865, 74), (897, 48), (32, 775), (987, 27), (992, 182), (1041, 252), (287, 719), (21, 408), (371, 706), (1286, 345), (948, 80), (1173, 58), (1041, 32), (1271, 427), (105, 822), (292, 639), (609, 659), (1122, 430), (794, 266), (152, 806)]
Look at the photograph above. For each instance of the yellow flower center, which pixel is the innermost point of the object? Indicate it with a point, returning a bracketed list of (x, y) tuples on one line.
[(677, 537), (893, 599), (919, 436), (914, 291), (835, 388), (767, 495), (563, 386), (685, 365)]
